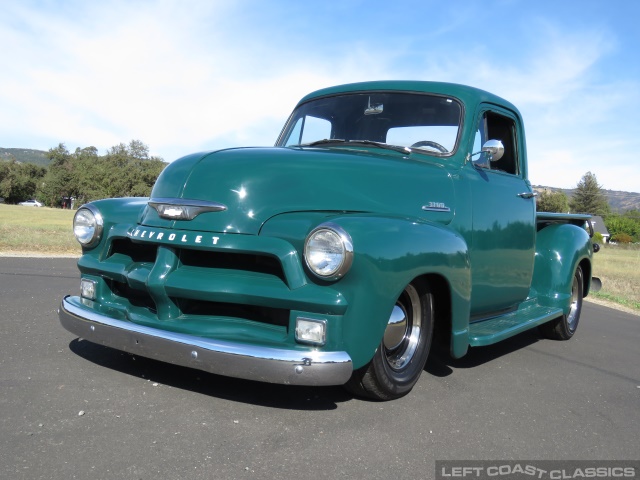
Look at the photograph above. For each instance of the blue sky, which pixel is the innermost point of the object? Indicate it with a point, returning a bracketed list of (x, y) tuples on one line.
[(185, 76)]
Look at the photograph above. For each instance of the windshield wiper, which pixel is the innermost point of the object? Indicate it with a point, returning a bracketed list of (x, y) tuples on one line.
[(386, 146), (321, 142)]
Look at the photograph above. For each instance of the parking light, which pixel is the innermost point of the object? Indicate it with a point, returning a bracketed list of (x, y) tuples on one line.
[(311, 331)]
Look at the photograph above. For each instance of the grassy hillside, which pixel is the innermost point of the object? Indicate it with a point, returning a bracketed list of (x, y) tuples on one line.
[(25, 155), (622, 201)]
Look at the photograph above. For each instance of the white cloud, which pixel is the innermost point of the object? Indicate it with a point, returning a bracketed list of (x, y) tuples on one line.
[(133, 72), (574, 117), (181, 80)]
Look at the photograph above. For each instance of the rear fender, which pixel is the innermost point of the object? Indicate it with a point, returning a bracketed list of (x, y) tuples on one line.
[(560, 248)]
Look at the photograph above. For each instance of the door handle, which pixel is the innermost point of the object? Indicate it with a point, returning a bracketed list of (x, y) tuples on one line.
[(528, 194)]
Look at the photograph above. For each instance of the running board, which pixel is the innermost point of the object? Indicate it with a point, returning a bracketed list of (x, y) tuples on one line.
[(494, 330)]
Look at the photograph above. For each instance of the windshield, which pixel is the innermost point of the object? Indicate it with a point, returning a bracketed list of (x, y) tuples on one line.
[(425, 123)]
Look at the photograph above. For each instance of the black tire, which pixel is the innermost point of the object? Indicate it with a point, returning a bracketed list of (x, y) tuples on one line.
[(401, 356), (563, 328)]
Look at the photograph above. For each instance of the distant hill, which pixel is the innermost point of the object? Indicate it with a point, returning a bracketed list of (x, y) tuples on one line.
[(25, 155), (619, 201), (623, 201)]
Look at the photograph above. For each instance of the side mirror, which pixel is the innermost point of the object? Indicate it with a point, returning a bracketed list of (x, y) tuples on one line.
[(494, 148)]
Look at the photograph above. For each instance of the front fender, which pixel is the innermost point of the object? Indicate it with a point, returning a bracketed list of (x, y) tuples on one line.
[(389, 252), (560, 248), (115, 211)]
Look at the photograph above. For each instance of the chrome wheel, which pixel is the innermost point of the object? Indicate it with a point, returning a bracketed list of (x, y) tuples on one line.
[(576, 299), (403, 329), (400, 358), (564, 327)]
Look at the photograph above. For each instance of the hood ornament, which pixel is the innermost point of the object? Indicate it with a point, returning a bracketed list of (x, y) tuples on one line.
[(183, 208)]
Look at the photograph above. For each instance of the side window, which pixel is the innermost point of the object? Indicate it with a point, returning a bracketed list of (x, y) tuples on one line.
[(493, 126), (503, 128)]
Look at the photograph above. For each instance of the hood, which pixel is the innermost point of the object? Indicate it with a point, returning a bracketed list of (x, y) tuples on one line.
[(256, 184)]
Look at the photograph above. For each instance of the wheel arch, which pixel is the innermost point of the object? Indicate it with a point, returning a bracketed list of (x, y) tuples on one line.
[(586, 266), (442, 308)]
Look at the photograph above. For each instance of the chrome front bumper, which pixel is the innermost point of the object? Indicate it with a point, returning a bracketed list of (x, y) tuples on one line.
[(273, 365)]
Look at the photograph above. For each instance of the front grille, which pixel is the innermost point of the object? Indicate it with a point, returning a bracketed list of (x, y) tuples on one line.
[(235, 261), (137, 252), (141, 257), (137, 298), (272, 316), (146, 253)]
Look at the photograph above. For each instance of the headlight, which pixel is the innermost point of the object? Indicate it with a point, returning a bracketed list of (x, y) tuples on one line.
[(328, 251), (87, 226)]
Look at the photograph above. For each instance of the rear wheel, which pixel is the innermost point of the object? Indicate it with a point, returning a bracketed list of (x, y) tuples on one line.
[(403, 351), (564, 327)]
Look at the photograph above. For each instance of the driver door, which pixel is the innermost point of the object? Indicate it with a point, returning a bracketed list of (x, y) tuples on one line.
[(503, 209)]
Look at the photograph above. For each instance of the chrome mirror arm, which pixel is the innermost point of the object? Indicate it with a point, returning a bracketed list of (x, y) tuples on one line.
[(494, 149)]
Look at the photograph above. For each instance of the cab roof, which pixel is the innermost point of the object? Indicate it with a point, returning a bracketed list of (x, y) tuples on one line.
[(468, 95)]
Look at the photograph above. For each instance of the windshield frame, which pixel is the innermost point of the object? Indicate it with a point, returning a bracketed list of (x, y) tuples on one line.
[(341, 144)]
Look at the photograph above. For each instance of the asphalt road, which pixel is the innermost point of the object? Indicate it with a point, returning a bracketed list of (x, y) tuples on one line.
[(72, 409)]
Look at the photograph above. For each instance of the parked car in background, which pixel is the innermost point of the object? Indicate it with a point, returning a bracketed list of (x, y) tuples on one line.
[(30, 203)]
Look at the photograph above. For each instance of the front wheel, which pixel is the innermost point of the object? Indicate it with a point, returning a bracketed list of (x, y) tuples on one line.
[(403, 351), (564, 327)]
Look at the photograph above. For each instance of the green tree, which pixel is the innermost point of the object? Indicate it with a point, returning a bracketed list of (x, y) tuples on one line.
[(633, 214), (89, 172), (597, 238), (125, 171), (60, 181), (553, 202), (5, 179), (18, 181), (129, 171), (589, 197), (623, 226), (622, 238)]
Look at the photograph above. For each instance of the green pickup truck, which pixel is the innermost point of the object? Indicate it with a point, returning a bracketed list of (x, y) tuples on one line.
[(389, 217)]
